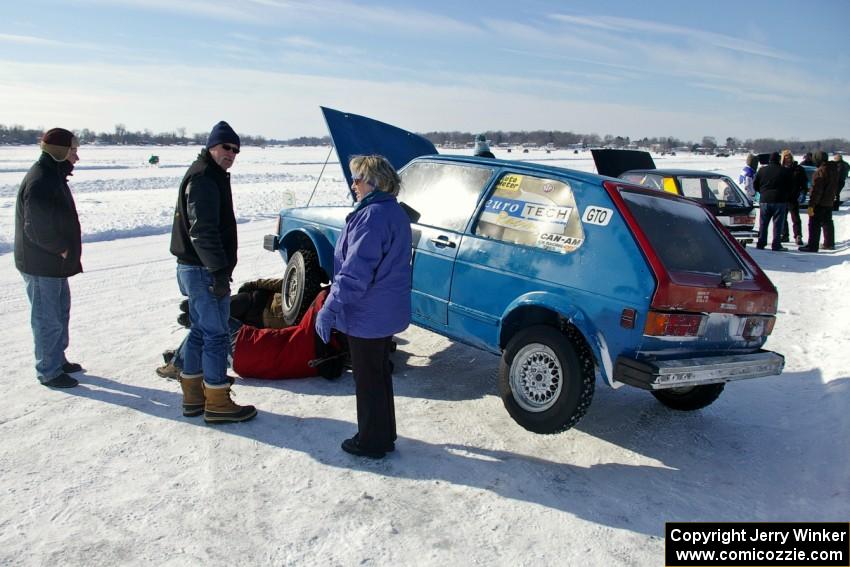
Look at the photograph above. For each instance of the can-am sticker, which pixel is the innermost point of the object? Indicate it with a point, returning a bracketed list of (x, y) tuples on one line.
[(597, 215), (558, 242)]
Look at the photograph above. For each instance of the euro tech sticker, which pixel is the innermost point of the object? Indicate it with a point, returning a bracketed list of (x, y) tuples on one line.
[(597, 215), (552, 214)]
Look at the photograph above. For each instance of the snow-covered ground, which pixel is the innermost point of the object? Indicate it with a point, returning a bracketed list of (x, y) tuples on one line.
[(110, 473)]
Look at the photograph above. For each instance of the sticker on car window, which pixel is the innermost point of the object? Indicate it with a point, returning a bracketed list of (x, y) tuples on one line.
[(532, 211), (524, 215), (558, 215), (558, 242), (597, 215), (509, 183)]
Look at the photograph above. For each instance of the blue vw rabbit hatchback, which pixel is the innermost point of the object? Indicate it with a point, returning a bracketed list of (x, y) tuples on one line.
[(566, 275)]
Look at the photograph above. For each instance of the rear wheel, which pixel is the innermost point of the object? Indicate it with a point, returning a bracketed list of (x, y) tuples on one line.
[(546, 380), (689, 398), (302, 281)]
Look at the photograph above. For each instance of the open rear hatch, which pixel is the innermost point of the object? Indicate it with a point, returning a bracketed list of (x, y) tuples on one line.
[(614, 162)]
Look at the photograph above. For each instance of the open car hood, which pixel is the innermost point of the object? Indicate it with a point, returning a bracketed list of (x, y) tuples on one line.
[(614, 162), (354, 135)]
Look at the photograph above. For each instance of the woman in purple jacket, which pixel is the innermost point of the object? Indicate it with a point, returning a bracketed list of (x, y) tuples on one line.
[(369, 299)]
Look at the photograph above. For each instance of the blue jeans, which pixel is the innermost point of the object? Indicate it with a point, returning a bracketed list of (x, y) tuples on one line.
[(775, 212), (50, 299), (233, 324), (208, 343)]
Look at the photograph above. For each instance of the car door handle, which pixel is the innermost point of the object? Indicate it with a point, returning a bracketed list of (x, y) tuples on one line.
[(443, 242)]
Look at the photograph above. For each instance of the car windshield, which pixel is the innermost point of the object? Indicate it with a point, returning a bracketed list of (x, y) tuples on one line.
[(683, 235)]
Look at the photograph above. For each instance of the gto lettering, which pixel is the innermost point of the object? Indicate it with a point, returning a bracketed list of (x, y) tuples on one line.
[(597, 215)]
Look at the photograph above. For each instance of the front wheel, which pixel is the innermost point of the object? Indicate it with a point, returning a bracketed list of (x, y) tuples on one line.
[(689, 398), (546, 380), (301, 284)]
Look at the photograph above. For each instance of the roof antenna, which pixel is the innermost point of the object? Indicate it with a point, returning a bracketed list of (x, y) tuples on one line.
[(320, 175)]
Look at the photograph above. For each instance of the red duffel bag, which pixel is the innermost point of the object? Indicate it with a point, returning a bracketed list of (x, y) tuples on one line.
[(291, 352)]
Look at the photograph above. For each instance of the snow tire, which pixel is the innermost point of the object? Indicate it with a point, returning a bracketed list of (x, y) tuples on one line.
[(546, 379), (302, 281)]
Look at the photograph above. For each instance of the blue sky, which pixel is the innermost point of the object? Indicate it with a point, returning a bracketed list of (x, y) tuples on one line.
[(679, 68)]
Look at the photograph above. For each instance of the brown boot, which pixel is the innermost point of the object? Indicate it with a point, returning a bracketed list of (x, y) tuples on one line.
[(220, 408), (193, 394)]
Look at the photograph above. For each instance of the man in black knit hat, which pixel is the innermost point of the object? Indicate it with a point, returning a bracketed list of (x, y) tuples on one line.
[(203, 238), (47, 252)]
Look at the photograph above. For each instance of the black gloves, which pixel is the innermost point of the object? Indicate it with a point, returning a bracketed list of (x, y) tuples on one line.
[(221, 284)]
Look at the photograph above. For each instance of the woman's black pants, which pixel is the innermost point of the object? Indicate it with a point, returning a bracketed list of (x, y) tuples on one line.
[(373, 383)]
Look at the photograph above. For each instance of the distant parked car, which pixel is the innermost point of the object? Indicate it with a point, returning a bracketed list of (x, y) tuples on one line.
[(715, 191), (565, 274)]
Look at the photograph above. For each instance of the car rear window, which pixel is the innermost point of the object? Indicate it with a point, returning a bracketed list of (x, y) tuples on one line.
[(682, 235)]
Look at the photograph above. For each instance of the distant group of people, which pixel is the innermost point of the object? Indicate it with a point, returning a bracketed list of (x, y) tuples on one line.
[(782, 185), (367, 302)]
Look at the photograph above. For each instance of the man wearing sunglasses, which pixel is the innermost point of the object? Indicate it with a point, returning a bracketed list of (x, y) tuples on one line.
[(203, 238)]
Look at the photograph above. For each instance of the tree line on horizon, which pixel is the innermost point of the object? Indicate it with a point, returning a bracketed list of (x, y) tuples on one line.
[(18, 135)]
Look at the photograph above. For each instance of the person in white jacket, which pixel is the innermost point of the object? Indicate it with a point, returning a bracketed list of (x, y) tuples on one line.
[(748, 173)]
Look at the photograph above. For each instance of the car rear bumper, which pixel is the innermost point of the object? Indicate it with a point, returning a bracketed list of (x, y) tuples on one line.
[(677, 373), (743, 235)]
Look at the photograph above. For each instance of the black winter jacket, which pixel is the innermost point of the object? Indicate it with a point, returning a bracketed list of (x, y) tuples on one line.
[(46, 222), (773, 183), (843, 169), (204, 229)]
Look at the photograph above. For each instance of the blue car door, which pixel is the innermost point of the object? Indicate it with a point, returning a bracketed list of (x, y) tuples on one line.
[(434, 255), (443, 196)]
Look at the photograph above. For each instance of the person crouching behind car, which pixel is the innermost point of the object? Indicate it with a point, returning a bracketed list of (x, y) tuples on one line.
[(369, 300), (824, 185)]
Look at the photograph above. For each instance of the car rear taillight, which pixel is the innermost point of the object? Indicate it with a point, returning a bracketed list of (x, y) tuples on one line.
[(660, 324), (756, 327)]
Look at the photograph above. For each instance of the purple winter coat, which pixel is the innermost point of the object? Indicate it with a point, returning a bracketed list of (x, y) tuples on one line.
[(370, 294)]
